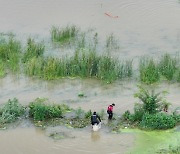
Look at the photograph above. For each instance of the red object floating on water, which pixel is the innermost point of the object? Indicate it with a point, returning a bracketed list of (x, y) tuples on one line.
[(109, 15)]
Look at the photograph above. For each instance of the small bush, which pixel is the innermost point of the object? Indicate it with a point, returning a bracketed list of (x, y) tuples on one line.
[(126, 115), (11, 111), (157, 121), (40, 110), (151, 101)]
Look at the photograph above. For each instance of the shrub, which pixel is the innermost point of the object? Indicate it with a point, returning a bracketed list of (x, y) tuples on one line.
[(11, 111), (138, 112), (157, 121), (40, 110), (151, 101), (126, 115)]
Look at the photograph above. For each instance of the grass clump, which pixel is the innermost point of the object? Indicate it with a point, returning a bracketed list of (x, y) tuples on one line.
[(10, 51), (167, 66), (63, 35), (33, 50), (11, 111), (82, 64), (41, 110), (149, 72), (111, 42)]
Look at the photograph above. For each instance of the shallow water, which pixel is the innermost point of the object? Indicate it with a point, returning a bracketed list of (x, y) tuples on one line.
[(34, 140), (143, 27)]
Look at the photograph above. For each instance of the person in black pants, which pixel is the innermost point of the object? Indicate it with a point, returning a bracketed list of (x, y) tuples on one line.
[(110, 111), (95, 119)]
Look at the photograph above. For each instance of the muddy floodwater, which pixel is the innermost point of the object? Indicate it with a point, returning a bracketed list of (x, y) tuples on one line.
[(143, 27), (31, 140)]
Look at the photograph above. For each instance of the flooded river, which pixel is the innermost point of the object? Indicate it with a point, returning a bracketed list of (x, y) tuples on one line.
[(142, 27)]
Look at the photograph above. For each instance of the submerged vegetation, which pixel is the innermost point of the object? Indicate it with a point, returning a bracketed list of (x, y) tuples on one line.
[(86, 60), (64, 35), (82, 64), (10, 53), (149, 72), (11, 111)]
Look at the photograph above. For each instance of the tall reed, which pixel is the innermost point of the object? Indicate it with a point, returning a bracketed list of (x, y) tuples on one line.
[(33, 49), (111, 42), (63, 35), (167, 66), (149, 72), (10, 52), (82, 64)]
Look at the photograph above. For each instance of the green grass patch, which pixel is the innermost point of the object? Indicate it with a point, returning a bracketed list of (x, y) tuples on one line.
[(41, 110), (33, 49), (11, 111), (10, 52), (63, 35), (149, 72), (157, 121), (167, 66), (82, 64)]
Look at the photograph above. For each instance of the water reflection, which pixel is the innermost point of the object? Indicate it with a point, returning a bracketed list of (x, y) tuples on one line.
[(95, 136)]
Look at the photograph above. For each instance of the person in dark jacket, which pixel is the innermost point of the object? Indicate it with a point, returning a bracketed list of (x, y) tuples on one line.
[(95, 119), (110, 111)]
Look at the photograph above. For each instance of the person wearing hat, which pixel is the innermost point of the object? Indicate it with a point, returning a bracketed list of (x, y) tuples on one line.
[(110, 111)]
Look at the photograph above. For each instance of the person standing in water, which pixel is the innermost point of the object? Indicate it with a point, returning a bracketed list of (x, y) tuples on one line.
[(95, 119), (110, 111)]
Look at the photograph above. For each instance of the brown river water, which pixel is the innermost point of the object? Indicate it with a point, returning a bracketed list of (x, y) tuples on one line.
[(143, 27)]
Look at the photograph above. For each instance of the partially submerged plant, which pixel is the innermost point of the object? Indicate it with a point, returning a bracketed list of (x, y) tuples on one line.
[(111, 42), (64, 35), (149, 72), (33, 50), (167, 66), (11, 111)]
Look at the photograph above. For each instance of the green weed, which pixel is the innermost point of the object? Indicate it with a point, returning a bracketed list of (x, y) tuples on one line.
[(11, 111), (167, 66), (33, 50), (63, 35), (149, 72)]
